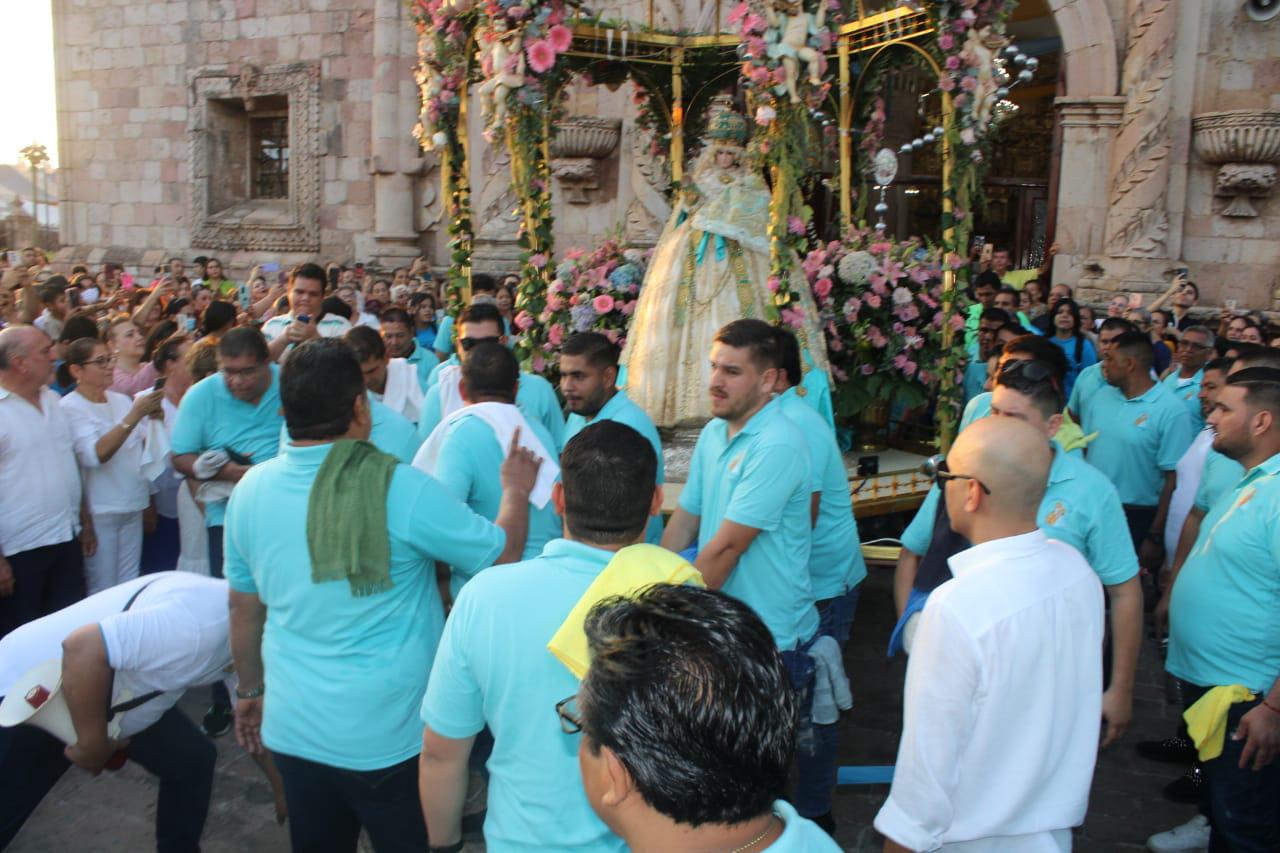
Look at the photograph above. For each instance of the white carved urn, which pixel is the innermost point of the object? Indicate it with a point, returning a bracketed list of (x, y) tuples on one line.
[(1245, 146), (579, 145)]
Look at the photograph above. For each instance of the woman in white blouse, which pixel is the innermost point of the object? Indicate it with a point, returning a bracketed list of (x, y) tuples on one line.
[(108, 446)]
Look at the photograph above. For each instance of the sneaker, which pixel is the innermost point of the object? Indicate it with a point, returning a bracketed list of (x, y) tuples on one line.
[(1175, 750), (1191, 837), (217, 721), (1186, 788)]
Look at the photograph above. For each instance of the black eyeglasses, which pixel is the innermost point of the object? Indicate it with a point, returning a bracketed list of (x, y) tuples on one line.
[(570, 719), (469, 344), (1028, 369), (1186, 344), (936, 467), (101, 361)]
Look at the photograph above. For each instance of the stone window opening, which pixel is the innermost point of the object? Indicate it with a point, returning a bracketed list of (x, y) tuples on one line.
[(269, 150)]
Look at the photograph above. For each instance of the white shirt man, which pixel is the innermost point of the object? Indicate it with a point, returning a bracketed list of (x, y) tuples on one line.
[(1004, 684)]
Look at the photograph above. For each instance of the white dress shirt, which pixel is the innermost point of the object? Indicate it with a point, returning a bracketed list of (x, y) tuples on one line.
[(117, 485), (1002, 705), (39, 477), (1189, 469)]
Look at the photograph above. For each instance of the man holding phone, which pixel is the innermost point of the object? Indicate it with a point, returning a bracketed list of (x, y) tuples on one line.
[(303, 322)]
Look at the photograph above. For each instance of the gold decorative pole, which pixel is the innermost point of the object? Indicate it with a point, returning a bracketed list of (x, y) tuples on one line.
[(947, 424), (845, 131), (677, 114)]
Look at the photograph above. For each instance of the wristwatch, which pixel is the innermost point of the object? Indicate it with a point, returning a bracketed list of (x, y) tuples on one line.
[(251, 694), (456, 847)]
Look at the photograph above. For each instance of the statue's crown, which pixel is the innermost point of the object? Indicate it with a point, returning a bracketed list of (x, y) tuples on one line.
[(728, 126)]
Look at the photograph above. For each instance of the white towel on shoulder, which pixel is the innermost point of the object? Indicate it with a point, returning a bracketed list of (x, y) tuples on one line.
[(402, 393), (450, 384), (504, 419)]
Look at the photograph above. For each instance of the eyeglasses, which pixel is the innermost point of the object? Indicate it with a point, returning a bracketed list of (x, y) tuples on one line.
[(570, 719), (936, 467), (102, 361), (1186, 344), (1029, 369), (469, 344)]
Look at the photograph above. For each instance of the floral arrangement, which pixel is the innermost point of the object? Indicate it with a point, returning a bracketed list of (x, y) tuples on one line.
[(543, 36), (595, 291), (883, 316)]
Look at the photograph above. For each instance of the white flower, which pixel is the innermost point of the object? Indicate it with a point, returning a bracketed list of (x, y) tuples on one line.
[(901, 296), (827, 271), (634, 256), (765, 114), (439, 139), (856, 267)]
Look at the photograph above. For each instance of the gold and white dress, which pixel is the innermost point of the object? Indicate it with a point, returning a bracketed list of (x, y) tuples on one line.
[(710, 267)]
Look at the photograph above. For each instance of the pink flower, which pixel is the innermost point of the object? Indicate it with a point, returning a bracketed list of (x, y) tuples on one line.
[(878, 284), (765, 114), (753, 23), (866, 370), (957, 322), (555, 334), (612, 335), (898, 328), (517, 13), (602, 303), (574, 254), (947, 83), (524, 320), (960, 100), (872, 300), (539, 364), (628, 308), (739, 13), (822, 287), (560, 37), (967, 135), (541, 56), (880, 248), (953, 63), (793, 317), (946, 42), (795, 225), (538, 261), (876, 338), (774, 283), (969, 83), (555, 303)]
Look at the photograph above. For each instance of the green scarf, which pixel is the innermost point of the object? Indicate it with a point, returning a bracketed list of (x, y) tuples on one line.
[(347, 534)]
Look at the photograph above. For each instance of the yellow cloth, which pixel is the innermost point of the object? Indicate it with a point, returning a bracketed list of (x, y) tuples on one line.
[(631, 570), (1207, 718), (1069, 436), (1018, 279)]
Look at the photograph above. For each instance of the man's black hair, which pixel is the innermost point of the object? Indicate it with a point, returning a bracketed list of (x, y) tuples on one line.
[(1261, 388), (242, 341), (688, 690), (218, 316), (311, 272), (481, 283), (1036, 381), (1040, 349), (167, 351), (1136, 345), (319, 384), (598, 350), (789, 356), (397, 315), (1121, 323), (334, 305), (491, 370), (79, 325), (482, 313), (52, 289), (995, 315), (609, 472), (1220, 364), (754, 335), (1257, 355), (986, 279), (366, 344)]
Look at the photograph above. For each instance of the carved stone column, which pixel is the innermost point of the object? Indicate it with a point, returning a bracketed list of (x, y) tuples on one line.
[(393, 162), (1088, 129)]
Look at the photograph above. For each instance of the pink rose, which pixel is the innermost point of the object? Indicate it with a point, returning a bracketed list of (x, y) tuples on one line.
[(953, 63), (795, 225), (774, 283), (555, 303), (969, 83), (822, 288), (866, 370), (872, 300), (541, 56), (555, 334), (538, 261), (524, 320), (947, 83), (946, 42), (539, 364), (602, 303), (560, 37)]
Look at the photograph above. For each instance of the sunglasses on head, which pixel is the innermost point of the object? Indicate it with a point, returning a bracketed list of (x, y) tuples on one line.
[(1029, 369), (469, 344), (936, 467)]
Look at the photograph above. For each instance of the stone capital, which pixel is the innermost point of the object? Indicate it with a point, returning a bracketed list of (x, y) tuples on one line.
[(1094, 112)]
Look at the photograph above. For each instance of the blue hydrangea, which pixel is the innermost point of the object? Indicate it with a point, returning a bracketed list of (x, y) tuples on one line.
[(624, 276), (582, 317)]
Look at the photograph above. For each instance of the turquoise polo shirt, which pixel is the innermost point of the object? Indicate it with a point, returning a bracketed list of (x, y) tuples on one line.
[(345, 674), (1188, 392), (620, 408), (392, 432), (535, 397), (493, 669), (1088, 358), (424, 360), (799, 835), (1223, 625), (1218, 477), (1089, 383), (434, 376), (815, 391), (835, 556), (469, 467), (1138, 440), (975, 377), (210, 418), (760, 479), (444, 336), (978, 407), (1080, 507)]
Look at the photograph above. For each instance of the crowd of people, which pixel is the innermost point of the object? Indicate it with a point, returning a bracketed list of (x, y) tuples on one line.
[(405, 568)]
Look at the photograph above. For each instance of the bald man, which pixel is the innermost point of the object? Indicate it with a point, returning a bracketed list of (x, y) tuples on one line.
[(1004, 684)]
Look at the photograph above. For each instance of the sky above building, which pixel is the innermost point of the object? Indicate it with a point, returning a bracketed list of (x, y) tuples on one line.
[(26, 67)]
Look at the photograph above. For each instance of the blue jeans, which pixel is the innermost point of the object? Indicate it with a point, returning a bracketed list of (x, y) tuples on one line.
[(171, 748), (817, 766), (1243, 806), (328, 806)]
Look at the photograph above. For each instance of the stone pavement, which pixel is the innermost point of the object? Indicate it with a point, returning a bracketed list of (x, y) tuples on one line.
[(117, 811)]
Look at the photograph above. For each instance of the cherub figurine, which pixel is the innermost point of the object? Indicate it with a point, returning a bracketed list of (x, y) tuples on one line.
[(793, 25), (506, 68), (982, 45)]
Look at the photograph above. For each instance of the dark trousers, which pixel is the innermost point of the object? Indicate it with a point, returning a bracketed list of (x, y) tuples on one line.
[(221, 698), (816, 769), (45, 580), (1243, 806), (161, 548), (328, 806), (172, 749)]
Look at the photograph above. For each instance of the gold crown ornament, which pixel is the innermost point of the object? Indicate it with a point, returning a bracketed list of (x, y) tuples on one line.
[(727, 126)]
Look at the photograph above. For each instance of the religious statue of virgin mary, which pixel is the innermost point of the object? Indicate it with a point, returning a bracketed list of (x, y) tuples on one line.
[(710, 267)]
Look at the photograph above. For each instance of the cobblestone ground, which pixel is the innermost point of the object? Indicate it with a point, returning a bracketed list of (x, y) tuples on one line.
[(117, 811)]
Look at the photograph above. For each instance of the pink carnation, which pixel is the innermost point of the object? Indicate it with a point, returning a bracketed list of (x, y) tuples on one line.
[(560, 37), (795, 225), (953, 63), (555, 334), (524, 320), (822, 287), (774, 283), (969, 83), (946, 41), (947, 83), (541, 56), (602, 303)]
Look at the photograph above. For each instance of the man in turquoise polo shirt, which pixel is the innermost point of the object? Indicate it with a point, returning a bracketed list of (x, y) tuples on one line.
[(306, 319), (748, 498), (836, 566), (1090, 382), (588, 382), (1143, 430), (1080, 507), (1195, 348), (536, 398), (237, 410), (466, 454), (397, 329), (390, 432), (975, 372), (493, 667), (333, 658), (1222, 617), (695, 671)]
